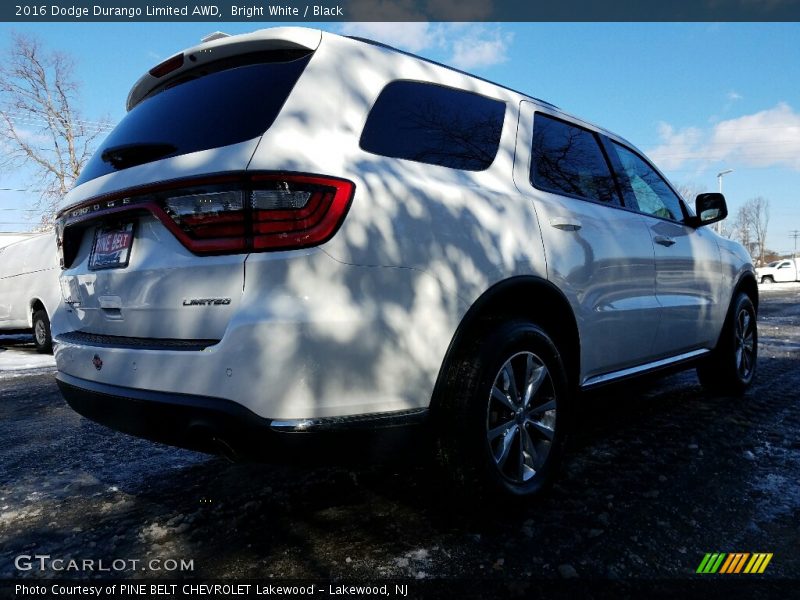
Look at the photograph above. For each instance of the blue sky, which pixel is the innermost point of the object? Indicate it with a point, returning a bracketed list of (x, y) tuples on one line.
[(696, 97)]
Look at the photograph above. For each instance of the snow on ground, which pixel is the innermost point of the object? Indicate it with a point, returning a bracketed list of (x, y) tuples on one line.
[(18, 356), (790, 286)]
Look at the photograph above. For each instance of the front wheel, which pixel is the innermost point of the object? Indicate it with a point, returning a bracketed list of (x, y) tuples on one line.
[(732, 365), (768, 279), (41, 332), (503, 417)]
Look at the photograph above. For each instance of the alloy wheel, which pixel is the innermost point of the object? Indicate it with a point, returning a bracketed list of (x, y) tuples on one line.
[(40, 333), (521, 417), (745, 344)]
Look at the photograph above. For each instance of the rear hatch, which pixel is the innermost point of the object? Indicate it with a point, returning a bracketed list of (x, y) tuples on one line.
[(154, 236)]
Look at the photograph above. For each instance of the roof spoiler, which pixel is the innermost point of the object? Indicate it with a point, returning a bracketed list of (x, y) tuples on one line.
[(277, 38)]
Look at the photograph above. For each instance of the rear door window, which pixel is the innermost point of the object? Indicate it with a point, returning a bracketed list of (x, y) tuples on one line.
[(567, 159), (434, 124), (202, 110)]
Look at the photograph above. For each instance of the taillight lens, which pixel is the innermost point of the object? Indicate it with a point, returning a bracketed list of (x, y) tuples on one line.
[(229, 214), (209, 215), (297, 212)]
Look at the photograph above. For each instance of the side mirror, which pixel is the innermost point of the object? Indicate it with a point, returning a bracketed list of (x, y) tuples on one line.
[(710, 208)]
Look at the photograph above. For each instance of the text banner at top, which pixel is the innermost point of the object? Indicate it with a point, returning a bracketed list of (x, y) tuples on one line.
[(404, 10)]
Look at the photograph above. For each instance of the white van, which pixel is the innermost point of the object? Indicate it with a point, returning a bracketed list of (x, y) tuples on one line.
[(296, 234), (29, 287)]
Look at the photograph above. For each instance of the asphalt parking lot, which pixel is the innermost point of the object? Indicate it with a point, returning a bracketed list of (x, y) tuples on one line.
[(659, 475)]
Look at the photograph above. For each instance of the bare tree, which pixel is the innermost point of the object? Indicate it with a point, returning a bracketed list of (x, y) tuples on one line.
[(726, 229), (689, 191), (42, 131), (752, 220), (743, 227), (759, 211)]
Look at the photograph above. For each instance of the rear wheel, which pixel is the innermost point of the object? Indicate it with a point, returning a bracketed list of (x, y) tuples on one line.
[(732, 365), (41, 332), (503, 416)]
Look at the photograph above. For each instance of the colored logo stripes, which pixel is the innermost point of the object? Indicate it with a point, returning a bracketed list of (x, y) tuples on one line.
[(734, 562)]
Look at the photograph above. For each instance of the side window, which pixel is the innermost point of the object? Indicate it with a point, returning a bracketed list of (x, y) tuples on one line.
[(567, 159), (434, 124), (653, 195)]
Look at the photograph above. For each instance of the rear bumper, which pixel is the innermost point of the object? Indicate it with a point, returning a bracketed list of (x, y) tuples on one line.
[(219, 426), (311, 337)]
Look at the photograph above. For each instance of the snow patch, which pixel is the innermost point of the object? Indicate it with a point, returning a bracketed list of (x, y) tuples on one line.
[(154, 533), (780, 491), (10, 516), (790, 286), (15, 362)]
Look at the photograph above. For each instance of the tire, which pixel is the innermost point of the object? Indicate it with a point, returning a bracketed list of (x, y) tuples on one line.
[(41, 332), (768, 279), (491, 441), (731, 367)]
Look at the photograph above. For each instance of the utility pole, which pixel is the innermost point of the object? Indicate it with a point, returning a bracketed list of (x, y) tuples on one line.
[(794, 234)]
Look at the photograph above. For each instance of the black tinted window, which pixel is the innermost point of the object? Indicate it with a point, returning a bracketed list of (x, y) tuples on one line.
[(216, 109), (568, 160), (434, 124)]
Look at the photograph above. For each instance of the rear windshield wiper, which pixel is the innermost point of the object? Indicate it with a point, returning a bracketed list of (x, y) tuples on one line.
[(130, 155)]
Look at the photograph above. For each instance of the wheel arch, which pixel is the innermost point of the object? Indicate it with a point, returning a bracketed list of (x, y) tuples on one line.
[(747, 284), (528, 297), (34, 305)]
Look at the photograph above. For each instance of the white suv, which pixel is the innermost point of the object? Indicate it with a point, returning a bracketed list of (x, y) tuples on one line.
[(295, 233)]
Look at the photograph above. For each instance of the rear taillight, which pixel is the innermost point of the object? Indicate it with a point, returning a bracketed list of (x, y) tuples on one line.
[(229, 214), (209, 215), (298, 212)]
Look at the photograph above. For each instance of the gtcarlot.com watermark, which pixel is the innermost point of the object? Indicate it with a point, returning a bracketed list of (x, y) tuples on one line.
[(48, 563)]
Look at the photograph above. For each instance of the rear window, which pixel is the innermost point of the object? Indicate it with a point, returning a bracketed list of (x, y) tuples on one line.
[(201, 111), (434, 124)]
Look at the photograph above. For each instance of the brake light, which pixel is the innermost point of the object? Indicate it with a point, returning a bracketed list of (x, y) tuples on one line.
[(297, 212), (230, 214), (168, 66)]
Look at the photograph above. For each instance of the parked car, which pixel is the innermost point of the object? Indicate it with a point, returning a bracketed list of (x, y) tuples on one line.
[(787, 269), (29, 291), (373, 240)]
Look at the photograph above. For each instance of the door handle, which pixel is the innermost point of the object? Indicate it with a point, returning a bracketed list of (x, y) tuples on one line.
[(664, 240), (565, 224)]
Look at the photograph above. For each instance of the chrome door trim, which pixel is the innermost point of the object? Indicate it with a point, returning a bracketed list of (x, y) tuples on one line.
[(640, 369)]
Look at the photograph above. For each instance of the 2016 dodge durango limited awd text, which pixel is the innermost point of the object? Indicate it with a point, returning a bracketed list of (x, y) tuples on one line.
[(294, 234)]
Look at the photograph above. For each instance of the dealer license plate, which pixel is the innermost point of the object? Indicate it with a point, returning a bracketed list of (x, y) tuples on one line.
[(112, 247)]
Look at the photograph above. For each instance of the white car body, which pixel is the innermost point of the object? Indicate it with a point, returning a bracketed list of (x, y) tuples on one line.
[(6, 239), (780, 271), (28, 280), (360, 326)]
